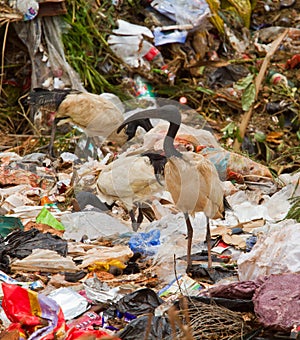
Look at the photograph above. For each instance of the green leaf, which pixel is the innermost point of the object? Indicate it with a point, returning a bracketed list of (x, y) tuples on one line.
[(243, 83), (204, 90), (260, 137), (248, 97)]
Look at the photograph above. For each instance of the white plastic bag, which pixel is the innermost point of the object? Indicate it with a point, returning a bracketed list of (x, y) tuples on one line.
[(276, 252)]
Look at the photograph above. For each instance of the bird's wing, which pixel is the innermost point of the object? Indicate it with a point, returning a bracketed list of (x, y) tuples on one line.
[(194, 184), (129, 179), (96, 115)]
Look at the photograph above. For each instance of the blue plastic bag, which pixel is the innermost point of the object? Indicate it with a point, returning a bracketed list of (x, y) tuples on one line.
[(145, 243)]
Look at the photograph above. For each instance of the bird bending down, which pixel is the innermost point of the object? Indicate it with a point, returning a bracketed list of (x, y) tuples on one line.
[(131, 180), (94, 114), (191, 179)]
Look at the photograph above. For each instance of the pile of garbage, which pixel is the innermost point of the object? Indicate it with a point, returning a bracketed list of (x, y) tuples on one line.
[(92, 245), (71, 264)]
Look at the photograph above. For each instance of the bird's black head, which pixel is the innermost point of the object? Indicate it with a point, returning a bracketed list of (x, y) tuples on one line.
[(132, 127), (169, 113), (50, 99)]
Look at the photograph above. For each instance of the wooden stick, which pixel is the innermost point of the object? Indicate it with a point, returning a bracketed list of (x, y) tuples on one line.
[(258, 81)]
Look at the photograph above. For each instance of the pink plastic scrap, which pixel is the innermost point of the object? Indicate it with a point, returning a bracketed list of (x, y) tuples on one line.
[(277, 302)]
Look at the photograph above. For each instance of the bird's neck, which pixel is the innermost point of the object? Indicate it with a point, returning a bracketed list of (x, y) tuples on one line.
[(169, 147)]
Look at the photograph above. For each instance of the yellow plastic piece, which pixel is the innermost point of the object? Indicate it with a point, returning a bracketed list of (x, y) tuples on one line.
[(242, 7), (104, 266)]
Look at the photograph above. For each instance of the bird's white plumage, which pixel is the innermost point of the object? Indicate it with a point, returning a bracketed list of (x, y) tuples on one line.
[(96, 115), (128, 179), (194, 184)]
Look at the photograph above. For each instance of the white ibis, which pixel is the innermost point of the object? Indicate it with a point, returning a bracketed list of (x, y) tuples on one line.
[(132, 181), (191, 179), (94, 114)]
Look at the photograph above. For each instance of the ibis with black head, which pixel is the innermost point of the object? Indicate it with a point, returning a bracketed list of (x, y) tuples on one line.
[(96, 115), (191, 179)]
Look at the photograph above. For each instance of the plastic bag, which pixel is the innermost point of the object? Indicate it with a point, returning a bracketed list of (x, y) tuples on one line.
[(183, 12), (30, 34), (142, 301), (32, 313), (72, 303), (46, 217), (145, 243), (276, 252), (8, 224), (21, 243), (29, 8), (92, 224), (136, 329)]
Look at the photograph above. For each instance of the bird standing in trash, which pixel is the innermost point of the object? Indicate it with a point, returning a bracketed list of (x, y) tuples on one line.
[(191, 179), (131, 180), (95, 114)]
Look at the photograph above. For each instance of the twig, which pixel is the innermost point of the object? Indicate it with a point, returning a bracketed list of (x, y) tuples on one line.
[(247, 115), (187, 329), (175, 273), (3, 51), (148, 328), (173, 315), (26, 116)]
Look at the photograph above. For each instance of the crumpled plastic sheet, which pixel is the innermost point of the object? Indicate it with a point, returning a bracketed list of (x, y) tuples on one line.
[(236, 305), (20, 244), (30, 33), (183, 12), (8, 224), (276, 252), (145, 243), (136, 329), (32, 313), (142, 301), (71, 302), (235, 290), (277, 301), (92, 224)]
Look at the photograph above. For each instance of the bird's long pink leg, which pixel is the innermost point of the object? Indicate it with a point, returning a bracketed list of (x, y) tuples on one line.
[(208, 241), (189, 244)]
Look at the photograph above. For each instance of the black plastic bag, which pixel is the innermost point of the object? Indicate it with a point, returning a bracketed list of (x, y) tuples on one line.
[(160, 329), (140, 302)]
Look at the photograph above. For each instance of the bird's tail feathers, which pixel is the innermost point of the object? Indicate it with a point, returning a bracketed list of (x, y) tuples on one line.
[(227, 206), (158, 162), (47, 99)]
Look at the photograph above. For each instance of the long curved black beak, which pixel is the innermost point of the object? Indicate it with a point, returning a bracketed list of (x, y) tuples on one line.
[(169, 113)]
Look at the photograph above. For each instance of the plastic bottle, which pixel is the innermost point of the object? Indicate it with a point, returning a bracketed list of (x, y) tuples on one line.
[(152, 54)]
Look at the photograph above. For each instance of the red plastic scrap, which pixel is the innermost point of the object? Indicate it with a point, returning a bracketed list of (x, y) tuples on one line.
[(235, 290), (293, 62), (277, 302), (75, 333), (234, 176), (18, 176)]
